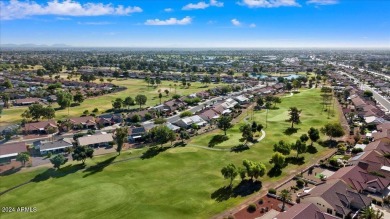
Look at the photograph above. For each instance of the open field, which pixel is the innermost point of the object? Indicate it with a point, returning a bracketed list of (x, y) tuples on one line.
[(103, 103), (182, 182)]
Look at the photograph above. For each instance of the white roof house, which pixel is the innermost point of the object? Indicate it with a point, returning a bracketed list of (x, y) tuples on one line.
[(186, 122), (241, 99), (95, 139)]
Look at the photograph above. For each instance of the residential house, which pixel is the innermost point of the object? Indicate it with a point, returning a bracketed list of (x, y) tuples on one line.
[(242, 99), (336, 198), (304, 211), (188, 121), (97, 140), (109, 119), (85, 122), (136, 134), (11, 150), (26, 101), (173, 127), (45, 147), (43, 127), (359, 179), (209, 115)]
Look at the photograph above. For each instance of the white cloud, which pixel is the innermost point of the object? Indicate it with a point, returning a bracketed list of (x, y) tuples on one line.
[(323, 2), (16, 9), (168, 10), (171, 21), (94, 23), (202, 5), (252, 25), (235, 22), (216, 3), (269, 3), (63, 18)]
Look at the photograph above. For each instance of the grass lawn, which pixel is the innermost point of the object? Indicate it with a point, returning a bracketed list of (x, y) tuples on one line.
[(180, 182), (103, 103)]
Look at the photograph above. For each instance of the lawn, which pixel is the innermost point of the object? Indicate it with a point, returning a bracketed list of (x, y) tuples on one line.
[(103, 103), (182, 182)]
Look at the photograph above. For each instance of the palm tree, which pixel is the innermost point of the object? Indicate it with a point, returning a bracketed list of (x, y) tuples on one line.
[(370, 213), (285, 196)]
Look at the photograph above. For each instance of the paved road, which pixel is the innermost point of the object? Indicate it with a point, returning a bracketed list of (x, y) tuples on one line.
[(382, 100)]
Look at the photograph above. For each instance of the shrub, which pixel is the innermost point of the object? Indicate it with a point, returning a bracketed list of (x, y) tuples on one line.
[(185, 114), (379, 202), (300, 183), (333, 162), (356, 150), (298, 200), (252, 208), (49, 155), (159, 121), (230, 217), (272, 191), (261, 201)]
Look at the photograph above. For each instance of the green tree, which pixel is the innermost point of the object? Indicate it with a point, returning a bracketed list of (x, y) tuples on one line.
[(117, 104), (259, 127), (314, 135), (172, 137), (253, 169), (278, 160), (184, 136), (36, 111), (120, 138), (276, 100), (285, 196), (282, 147), (247, 134), (229, 172), (23, 158), (304, 138), (333, 130), (64, 99), (160, 96), (78, 97), (7, 84), (1, 110), (224, 123), (5, 98), (299, 147), (259, 102), (254, 126), (141, 100), (58, 160), (48, 113), (242, 172), (368, 93), (166, 92), (135, 118), (294, 116), (370, 213), (81, 153), (160, 134), (129, 101)]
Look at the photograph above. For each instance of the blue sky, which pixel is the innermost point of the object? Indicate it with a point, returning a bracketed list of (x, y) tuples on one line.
[(197, 23)]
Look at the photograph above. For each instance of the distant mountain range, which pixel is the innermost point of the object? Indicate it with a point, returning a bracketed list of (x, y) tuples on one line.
[(31, 45)]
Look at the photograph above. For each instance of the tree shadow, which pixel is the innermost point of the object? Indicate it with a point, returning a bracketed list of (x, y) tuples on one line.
[(98, 167), (290, 131), (244, 188), (329, 143), (11, 171), (274, 172), (295, 160), (52, 173), (152, 152), (311, 149), (217, 139), (239, 148), (222, 194), (179, 144)]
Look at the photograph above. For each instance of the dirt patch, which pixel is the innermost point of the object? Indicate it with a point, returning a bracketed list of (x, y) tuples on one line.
[(267, 204)]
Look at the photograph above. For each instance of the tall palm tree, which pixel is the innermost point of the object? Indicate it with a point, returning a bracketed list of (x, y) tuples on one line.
[(370, 213), (285, 196)]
